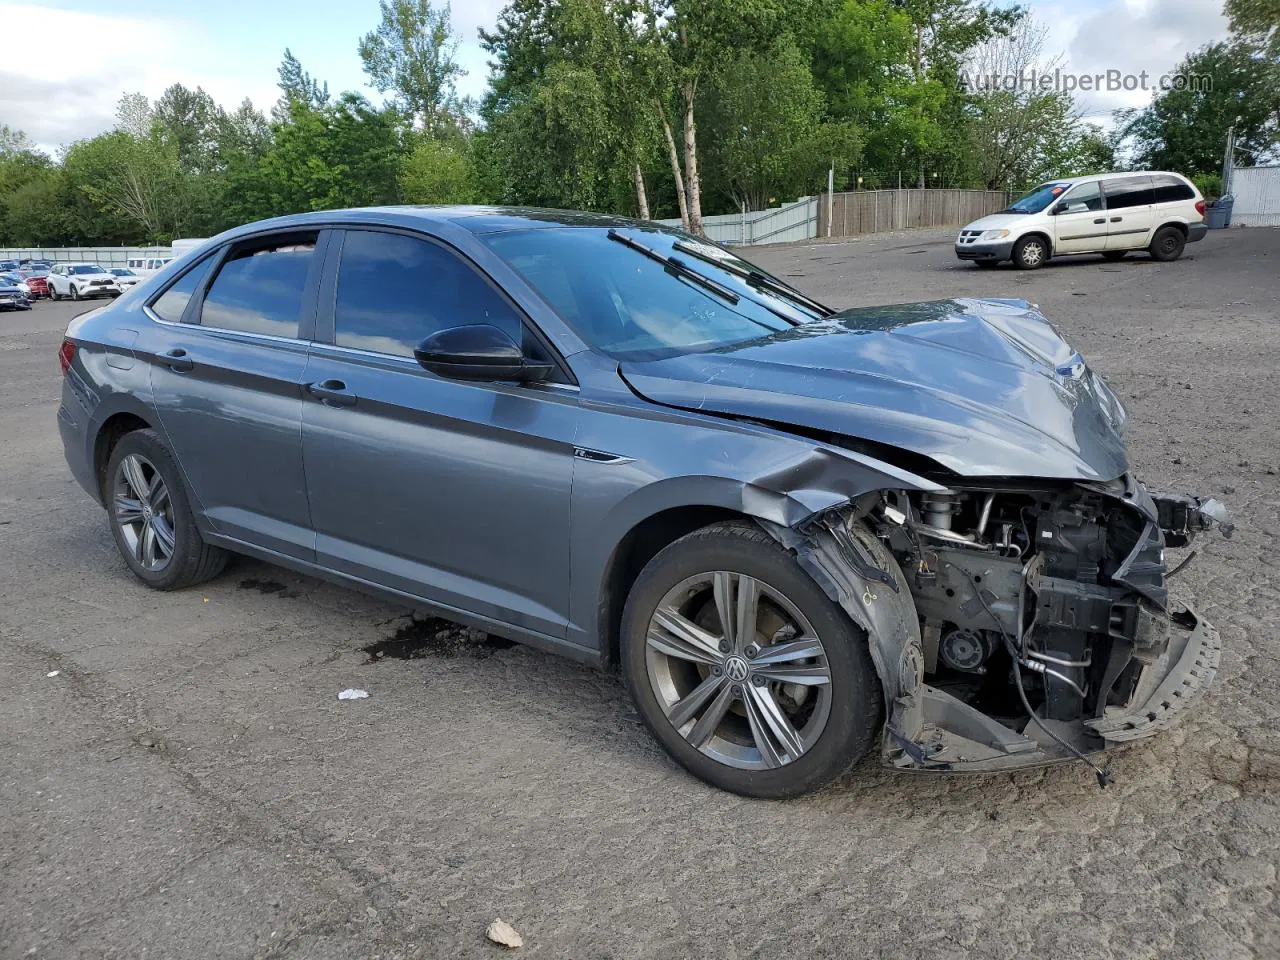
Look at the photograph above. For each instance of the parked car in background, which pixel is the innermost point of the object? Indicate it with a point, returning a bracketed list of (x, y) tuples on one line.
[(13, 293), (9, 266), (1112, 214), (126, 279), (37, 280), (799, 531), (81, 280), (146, 266)]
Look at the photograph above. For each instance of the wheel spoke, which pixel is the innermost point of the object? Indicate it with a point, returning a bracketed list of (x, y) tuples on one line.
[(682, 711), (128, 510), (805, 674), (678, 637), (722, 590), (145, 551), (131, 467), (802, 648), (164, 536), (710, 719), (768, 752), (760, 700), (747, 609)]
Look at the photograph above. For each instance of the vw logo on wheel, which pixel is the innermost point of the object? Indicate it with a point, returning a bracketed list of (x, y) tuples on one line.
[(735, 669)]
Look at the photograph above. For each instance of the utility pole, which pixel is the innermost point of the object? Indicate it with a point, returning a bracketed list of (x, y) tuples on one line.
[(831, 194), (1229, 161)]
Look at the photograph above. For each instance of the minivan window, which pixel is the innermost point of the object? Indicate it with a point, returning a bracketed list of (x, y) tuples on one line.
[(1172, 190), (172, 304), (395, 291), (1089, 194), (1129, 192), (260, 288)]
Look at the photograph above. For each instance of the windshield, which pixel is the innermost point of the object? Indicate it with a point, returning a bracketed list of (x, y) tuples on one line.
[(627, 304), (82, 268), (1039, 198), (122, 272)]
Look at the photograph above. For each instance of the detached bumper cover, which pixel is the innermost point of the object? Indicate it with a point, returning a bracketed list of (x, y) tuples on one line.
[(1169, 686)]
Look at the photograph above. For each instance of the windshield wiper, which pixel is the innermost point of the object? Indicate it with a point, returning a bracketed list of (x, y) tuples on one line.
[(755, 278), (677, 266)]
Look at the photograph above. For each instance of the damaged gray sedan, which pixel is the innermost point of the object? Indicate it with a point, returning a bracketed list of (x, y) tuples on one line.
[(800, 533)]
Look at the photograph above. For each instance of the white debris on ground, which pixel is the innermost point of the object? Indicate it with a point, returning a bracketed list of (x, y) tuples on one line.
[(53, 673), (353, 694), (503, 934)]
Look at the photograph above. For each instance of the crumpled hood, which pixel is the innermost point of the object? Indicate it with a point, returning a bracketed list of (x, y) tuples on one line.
[(986, 388)]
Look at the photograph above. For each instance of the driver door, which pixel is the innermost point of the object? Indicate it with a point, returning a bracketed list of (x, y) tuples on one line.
[(1080, 222), (453, 491)]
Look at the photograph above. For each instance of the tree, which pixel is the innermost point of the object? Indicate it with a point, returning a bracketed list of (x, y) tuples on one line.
[(438, 171), (29, 185), (1257, 21), (1186, 129), (413, 53), (297, 86), (134, 181)]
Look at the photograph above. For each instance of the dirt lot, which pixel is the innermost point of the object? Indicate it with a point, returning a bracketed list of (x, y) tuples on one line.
[(188, 785)]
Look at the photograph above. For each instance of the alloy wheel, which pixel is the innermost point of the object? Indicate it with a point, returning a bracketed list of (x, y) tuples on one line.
[(143, 510), (1033, 254), (738, 670)]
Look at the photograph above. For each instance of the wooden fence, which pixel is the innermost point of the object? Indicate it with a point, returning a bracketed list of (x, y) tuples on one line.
[(875, 211)]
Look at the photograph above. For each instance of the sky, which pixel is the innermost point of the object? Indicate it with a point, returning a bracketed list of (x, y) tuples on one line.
[(67, 62)]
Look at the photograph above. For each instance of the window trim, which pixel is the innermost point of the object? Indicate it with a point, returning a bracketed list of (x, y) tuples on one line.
[(325, 331), (149, 306)]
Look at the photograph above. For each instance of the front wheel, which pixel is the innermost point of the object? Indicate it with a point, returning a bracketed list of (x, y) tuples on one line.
[(53, 293), (75, 292), (151, 518), (1168, 244), (1031, 253), (749, 676)]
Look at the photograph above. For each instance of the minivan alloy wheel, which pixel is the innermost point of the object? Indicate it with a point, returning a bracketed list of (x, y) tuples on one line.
[(738, 670), (143, 511)]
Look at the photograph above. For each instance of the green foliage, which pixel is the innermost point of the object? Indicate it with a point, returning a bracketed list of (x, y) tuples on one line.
[(413, 54), (1186, 130), (1209, 185), (1257, 21), (438, 171)]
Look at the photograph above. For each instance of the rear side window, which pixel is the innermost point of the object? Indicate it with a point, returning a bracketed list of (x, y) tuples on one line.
[(172, 304), (1172, 190), (260, 288), (1130, 192), (395, 291)]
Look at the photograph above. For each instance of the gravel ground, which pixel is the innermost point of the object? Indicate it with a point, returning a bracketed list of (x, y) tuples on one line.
[(188, 785)]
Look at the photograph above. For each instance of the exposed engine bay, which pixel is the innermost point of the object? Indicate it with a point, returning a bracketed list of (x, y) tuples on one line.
[(1022, 624)]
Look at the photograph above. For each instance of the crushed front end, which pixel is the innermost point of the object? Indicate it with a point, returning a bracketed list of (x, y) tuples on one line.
[(1016, 624)]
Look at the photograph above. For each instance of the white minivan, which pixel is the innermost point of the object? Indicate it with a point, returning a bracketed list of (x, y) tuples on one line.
[(1109, 213)]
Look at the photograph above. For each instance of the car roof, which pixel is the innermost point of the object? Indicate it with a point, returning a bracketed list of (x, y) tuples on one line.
[(475, 219), (1118, 175)]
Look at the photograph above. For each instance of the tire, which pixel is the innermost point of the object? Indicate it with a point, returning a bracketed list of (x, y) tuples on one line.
[(1031, 252), (1114, 255), (833, 720), (53, 294), (190, 560), (75, 292), (1167, 245)]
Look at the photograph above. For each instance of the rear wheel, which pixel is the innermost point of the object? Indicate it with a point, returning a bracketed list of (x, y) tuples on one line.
[(746, 672), (1031, 252), (151, 517), (1168, 244), (1114, 254)]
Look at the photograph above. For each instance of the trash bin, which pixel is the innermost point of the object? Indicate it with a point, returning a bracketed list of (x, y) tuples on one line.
[(1218, 214)]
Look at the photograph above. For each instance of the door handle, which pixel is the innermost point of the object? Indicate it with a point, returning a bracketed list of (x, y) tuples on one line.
[(332, 393), (177, 360), (1117, 219), (1103, 220)]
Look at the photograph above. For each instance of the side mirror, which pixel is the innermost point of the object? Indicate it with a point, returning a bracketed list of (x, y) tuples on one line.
[(478, 352)]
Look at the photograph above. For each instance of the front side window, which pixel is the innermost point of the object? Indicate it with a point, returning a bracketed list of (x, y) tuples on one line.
[(172, 304), (260, 287), (1130, 192), (630, 306), (1086, 197), (395, 291)]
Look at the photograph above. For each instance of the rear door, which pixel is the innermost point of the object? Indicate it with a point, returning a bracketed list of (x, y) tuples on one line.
[(456, 492), (228, 348), (1129, 212), (1175, 199), (1080, 220)]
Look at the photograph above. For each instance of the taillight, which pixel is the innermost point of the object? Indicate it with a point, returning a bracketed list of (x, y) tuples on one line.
[(1200, 207), (66, 353)]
